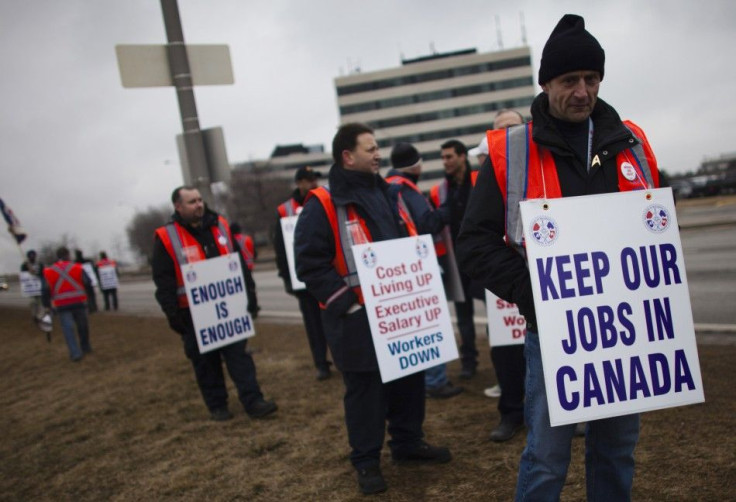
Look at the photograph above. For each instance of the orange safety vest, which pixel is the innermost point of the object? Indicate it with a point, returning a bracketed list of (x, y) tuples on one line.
[(439, 244), (247, 249), (105, 262), (288, 208), (525, 171), (66, 283), (348, 226), (184, 248)]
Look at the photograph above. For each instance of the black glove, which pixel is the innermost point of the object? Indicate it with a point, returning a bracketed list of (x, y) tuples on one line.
[(253, 310), (175, 322), (525, 302)]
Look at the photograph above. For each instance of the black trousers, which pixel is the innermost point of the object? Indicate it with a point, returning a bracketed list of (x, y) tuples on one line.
[(369, 404), (209, 374), (465, 324), (510, 366), (309, 307), (110, 296)]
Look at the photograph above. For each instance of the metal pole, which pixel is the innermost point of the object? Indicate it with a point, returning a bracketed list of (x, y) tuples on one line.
[(182, 78)]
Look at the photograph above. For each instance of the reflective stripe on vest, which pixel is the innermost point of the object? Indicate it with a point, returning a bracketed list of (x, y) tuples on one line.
[(63, 277), (288, 208), (176, 239), (347, 226), (524, 171), (246, 248)]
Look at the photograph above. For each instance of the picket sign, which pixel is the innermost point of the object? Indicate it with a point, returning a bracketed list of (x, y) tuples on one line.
[(108, 276), (30, 285), (612, 304), (288, 224), (506, 326), (218, 301), (406, 305)]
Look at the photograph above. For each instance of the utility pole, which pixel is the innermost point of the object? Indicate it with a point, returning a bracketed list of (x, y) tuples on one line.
[(182, 78)]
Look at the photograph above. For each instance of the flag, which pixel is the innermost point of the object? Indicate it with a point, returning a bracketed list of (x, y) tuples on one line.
[(13, 224)]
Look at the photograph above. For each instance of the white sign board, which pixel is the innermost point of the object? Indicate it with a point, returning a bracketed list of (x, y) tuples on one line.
[(148, 65), (612, 304), (89, 270), (30, 285), (108, 276), (288, 224), (218, 301), (406, 306), (505, 325)]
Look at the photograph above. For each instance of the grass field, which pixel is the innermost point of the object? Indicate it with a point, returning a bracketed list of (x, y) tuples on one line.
[(128, 423)]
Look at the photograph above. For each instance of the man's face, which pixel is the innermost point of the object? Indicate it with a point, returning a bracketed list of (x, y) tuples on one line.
[(572, 95), (452, 162), (507, 119), (305, 185), (365, 158), (190, 206)]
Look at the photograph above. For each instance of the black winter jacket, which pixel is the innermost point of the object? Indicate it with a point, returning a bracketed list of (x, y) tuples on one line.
[(481, 250), (348, 335)]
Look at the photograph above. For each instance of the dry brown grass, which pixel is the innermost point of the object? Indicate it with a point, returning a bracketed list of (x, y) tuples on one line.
[(127, 423)]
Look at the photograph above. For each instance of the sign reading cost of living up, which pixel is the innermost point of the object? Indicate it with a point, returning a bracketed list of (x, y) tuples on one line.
[(218, 301), (406, 305), (612, 304)]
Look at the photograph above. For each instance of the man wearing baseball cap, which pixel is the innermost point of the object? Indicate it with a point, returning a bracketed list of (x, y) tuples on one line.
[(580, 137)]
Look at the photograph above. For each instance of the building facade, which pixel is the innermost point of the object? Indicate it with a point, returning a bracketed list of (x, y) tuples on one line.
[(429, 100)]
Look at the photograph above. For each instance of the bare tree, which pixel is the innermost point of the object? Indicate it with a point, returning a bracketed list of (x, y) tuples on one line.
[(47, 250), (141, 229), (253, 197)]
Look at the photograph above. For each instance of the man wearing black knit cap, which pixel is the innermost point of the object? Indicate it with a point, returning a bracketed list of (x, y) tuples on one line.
[(580, 138), (406, 166)]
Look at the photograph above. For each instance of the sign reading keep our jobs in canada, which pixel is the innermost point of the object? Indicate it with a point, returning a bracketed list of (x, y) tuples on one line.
[(406, 306), (288, 224), (612, 304), (218, 301), (506, 326)]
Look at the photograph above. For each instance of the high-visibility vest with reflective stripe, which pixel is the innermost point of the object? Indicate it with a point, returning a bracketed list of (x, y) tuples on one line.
[(184, 248), (247, 249), (288, 208), (105, 262), (343, 221), (66, 283), (524, 171), (439, 245)]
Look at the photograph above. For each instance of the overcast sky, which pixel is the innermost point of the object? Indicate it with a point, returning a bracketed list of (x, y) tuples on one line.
[(80, 153)]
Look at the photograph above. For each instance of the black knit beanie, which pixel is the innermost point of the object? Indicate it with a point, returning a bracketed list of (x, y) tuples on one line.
[(404, 155), (570, 48)]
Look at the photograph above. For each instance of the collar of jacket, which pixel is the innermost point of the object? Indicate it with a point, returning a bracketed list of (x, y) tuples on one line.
[(344, 183), (398, 172), (298, 197), (609, 131), (466, 179), (208, 220)]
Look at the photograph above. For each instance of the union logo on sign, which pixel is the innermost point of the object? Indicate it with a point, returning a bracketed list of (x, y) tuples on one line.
[(232, 266), (544, 230), (369, 258), (422, 249), (191, 276), (656, 218)]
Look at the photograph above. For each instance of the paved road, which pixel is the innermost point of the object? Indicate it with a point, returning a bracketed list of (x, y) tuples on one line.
[(708, 233)]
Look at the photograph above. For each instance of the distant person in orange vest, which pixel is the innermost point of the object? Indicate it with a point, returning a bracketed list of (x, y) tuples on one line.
[(406, 167), (196, 233), (247, 246), (91, 274), (454, 192), (67, 295), (108, 279), (306, 179), (508, 360)]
